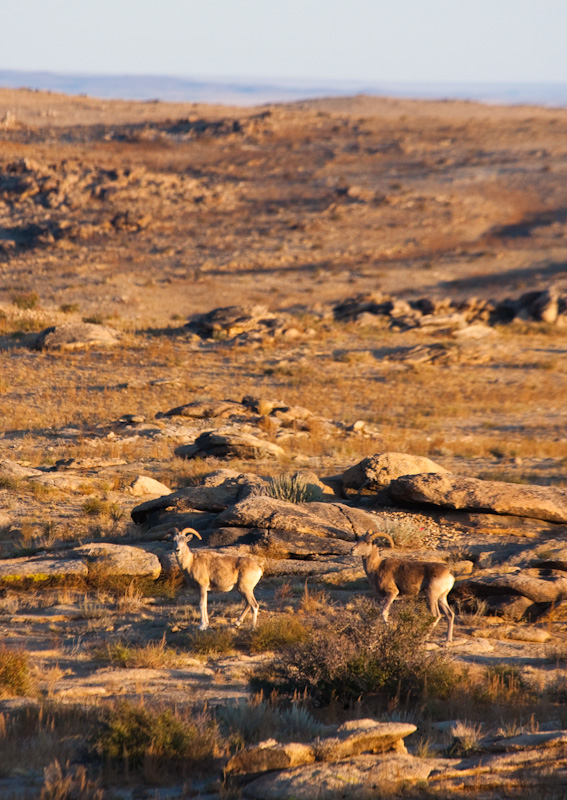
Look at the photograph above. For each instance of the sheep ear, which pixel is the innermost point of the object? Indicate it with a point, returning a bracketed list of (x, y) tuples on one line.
[(170, 534)]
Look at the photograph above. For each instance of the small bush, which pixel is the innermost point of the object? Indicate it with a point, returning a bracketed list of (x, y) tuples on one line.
[(25, 300), (356, 656), (69, 308), (277, 633), (95, 507), (157, 741), (68, 783), (294, 489), (14, 673)]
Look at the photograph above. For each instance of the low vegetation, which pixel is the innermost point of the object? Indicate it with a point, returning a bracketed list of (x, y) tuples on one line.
[(354, 656), (162, 742)]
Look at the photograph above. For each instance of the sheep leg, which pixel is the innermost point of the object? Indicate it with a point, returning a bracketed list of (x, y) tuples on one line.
[(434, 608), (390, 597), (450, 614), (251, 603), (203, 609)]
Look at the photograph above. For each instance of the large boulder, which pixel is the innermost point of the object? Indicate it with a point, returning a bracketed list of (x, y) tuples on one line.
[(458, 492), (268, 756), (120, 559), (144, 485), (378, 471), (76, 336), (229, 445)]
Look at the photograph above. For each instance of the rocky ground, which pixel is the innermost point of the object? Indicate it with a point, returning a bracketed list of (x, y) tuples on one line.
[(198, 301)]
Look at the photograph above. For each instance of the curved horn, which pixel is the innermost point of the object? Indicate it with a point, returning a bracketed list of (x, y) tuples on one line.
[(375, 534), (192, 532)]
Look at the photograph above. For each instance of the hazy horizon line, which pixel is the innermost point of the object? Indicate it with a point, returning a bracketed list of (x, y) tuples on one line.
[(241, 90)]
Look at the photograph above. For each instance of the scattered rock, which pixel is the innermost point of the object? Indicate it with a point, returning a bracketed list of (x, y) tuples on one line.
[(205, 409), (76, 336), (229, 445), (145, 485), (268, 756)]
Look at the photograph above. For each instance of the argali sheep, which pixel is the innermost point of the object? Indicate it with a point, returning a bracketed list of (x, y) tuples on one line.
[(390, 577), (217, 572)]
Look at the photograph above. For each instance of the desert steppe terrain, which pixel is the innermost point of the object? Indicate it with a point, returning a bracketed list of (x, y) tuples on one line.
[(299, 322)]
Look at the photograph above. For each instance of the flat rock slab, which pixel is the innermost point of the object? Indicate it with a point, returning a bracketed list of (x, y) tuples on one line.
[(528, 583), (120, 559), (454, 491), (363, 736), (356, 778), (13, 570), (76, 336)]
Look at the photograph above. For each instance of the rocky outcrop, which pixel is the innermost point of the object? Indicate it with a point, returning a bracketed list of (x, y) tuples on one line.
[(334, 520), (247, 323), (216, 492), (457, 492), (350, 739), (355, 778)]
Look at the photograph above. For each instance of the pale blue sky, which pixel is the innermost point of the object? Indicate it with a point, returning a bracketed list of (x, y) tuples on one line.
[(360, 40)]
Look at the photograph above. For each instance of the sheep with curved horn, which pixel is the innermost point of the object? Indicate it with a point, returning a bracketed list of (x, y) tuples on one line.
[(391, 577), (217, 572)]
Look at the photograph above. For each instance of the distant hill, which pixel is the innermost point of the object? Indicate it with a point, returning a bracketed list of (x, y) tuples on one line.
[(239, 91)]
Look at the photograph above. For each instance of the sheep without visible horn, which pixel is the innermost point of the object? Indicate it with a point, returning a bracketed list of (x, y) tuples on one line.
[(217, 572), (391, 577)]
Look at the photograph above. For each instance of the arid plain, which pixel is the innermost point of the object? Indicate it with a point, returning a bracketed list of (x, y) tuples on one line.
[(393, 276)]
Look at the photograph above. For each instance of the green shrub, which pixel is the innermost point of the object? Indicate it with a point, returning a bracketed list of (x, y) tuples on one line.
[(14, 673), (355, 656), (294, 489)]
